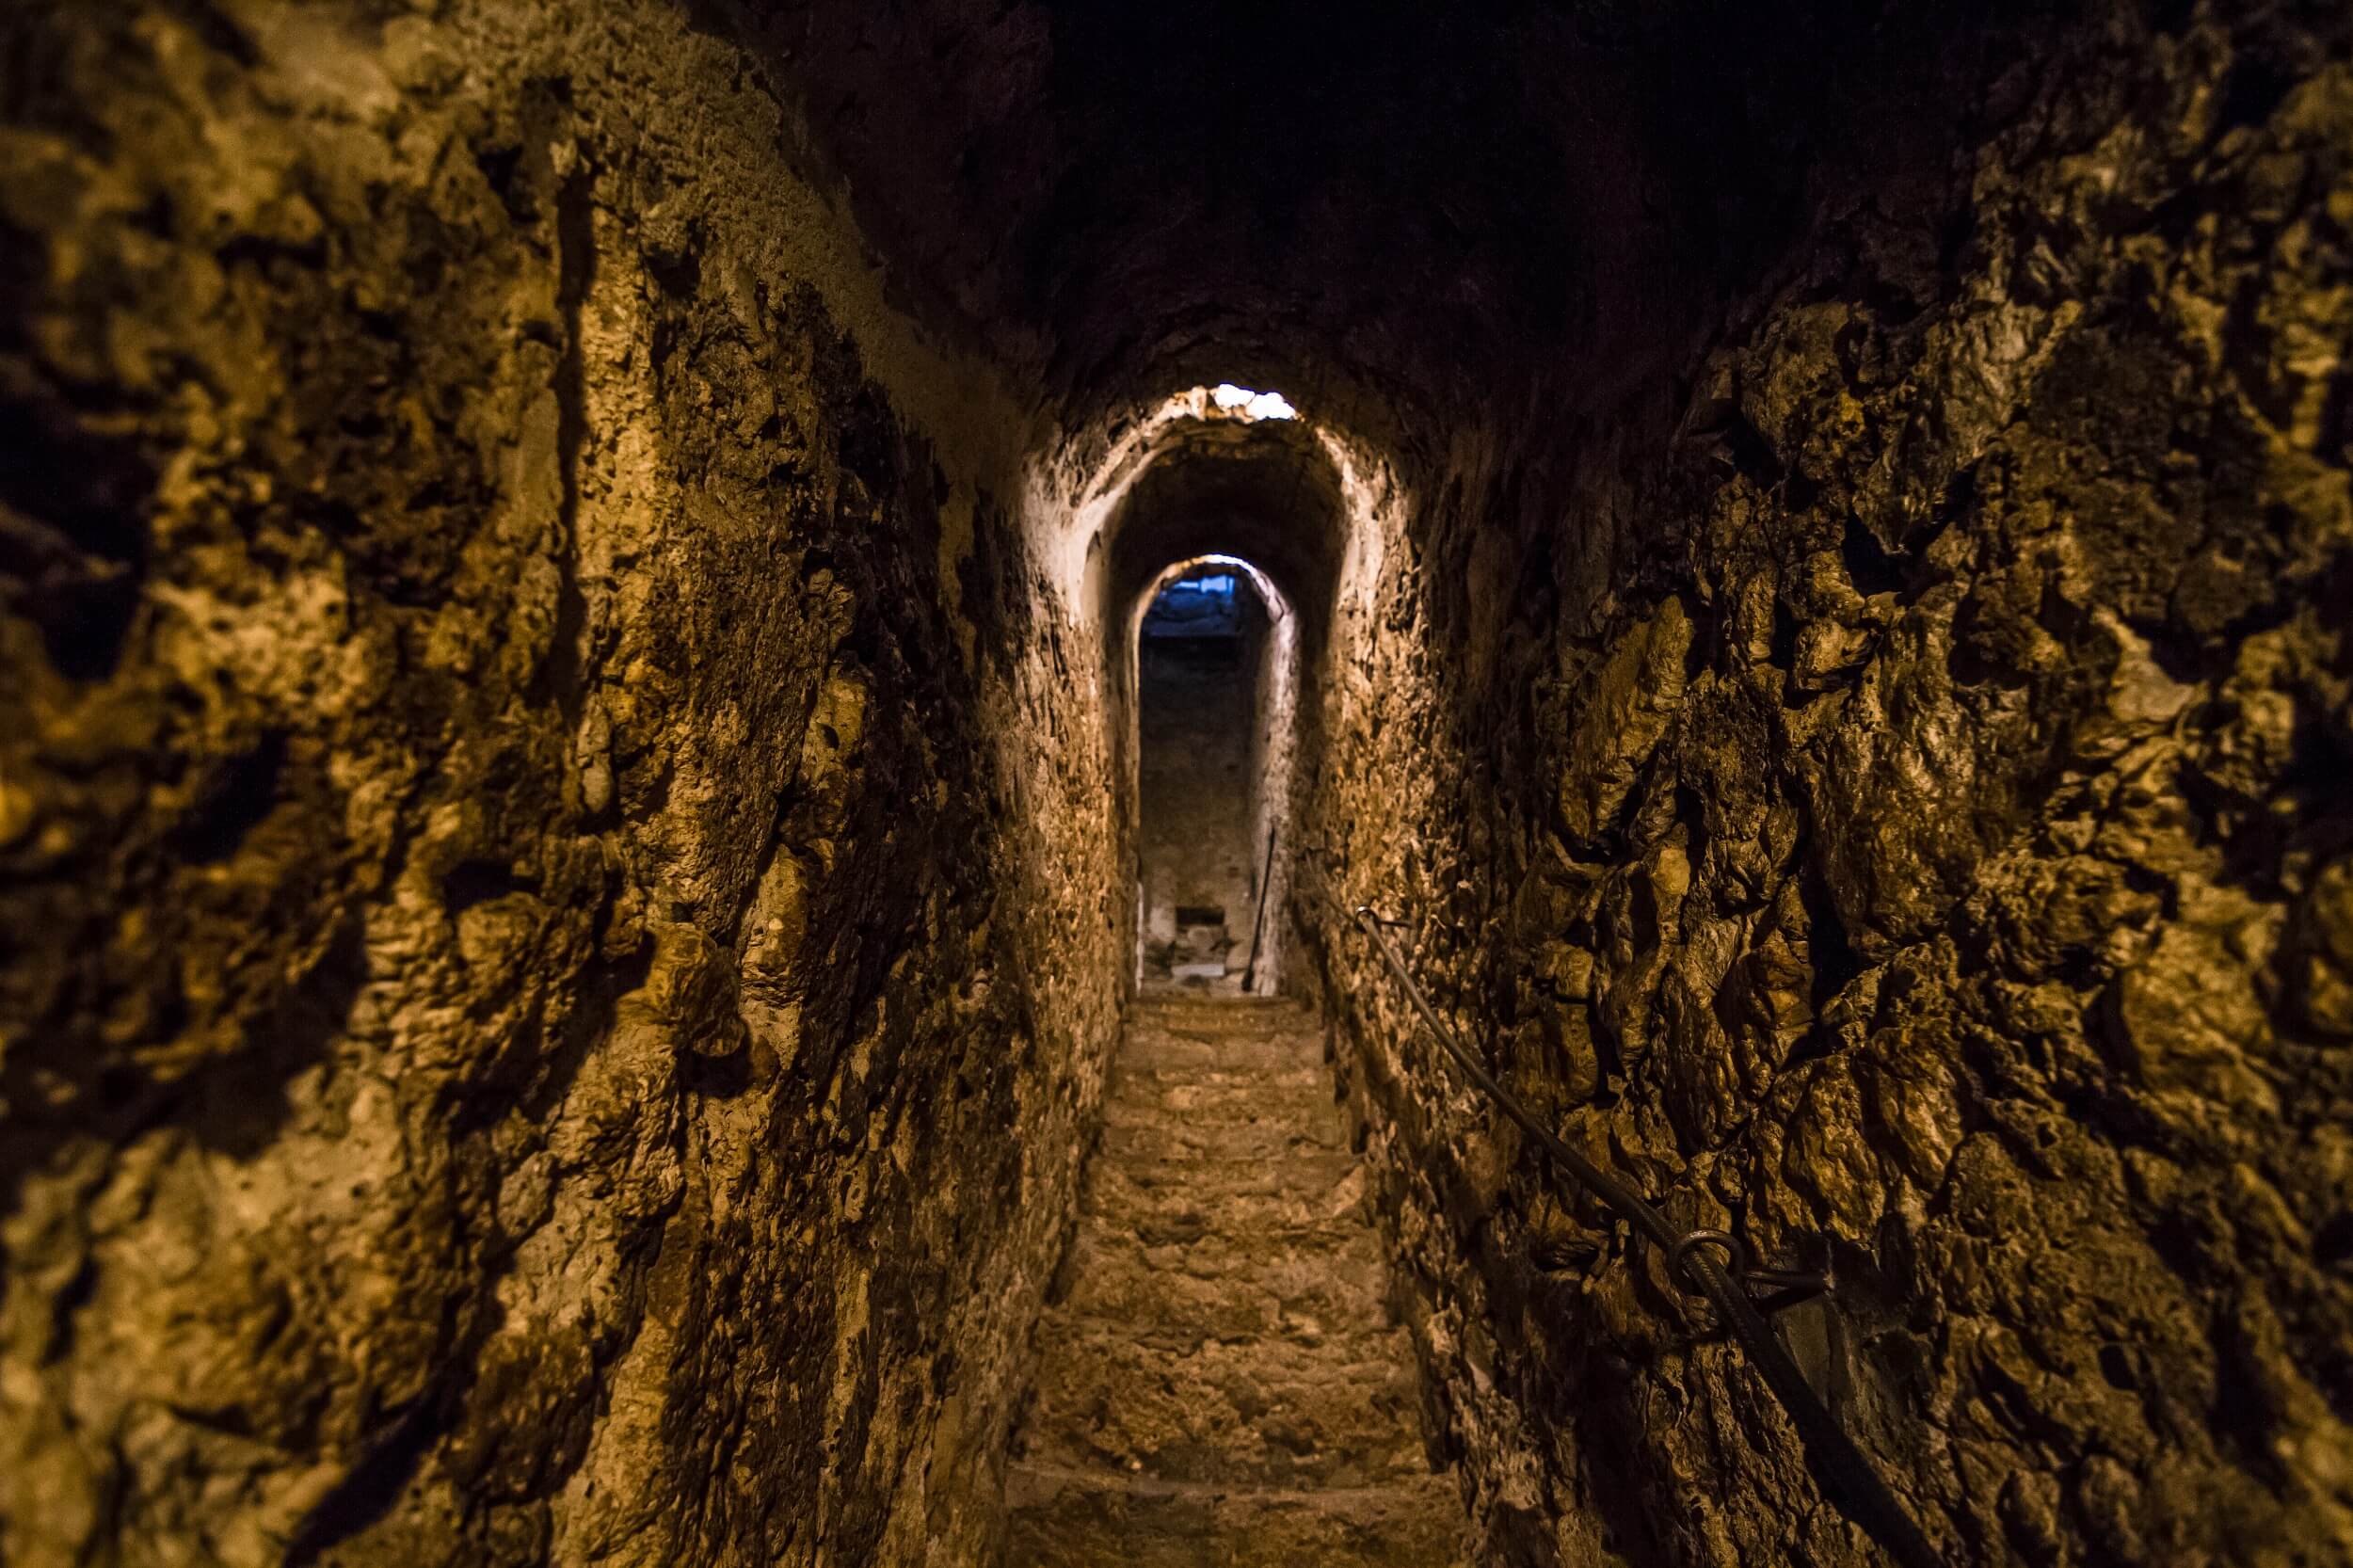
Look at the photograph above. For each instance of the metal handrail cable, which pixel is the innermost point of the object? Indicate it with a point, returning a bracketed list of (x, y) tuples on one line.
[(1852, 1483), (1258, 923)]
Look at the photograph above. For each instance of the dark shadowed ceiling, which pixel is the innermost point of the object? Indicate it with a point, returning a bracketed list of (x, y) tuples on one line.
[(1390, 204)]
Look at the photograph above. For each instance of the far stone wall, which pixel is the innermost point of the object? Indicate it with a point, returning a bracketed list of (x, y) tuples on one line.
[(1196, 723)]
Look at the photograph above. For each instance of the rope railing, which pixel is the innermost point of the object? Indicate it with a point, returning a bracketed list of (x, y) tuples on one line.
[(1846, 1477)]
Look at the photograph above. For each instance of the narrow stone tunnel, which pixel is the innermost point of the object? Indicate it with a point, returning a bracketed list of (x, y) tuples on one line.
[(590, 930)]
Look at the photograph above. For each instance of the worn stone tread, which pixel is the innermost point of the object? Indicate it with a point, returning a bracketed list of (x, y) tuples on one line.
[(1165, 1204), (1079, 1518), (1257, 1410), (1265, 1140), (1218, 1284), (1241, 1097)]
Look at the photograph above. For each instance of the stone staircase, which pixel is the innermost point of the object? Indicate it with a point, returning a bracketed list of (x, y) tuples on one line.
[(1219, 1385)]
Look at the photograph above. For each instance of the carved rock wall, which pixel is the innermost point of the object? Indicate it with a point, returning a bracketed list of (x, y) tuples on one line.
[(548, 1003), (1884, 791)]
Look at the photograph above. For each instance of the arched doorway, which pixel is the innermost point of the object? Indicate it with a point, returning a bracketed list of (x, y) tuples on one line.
[(1216, 674)]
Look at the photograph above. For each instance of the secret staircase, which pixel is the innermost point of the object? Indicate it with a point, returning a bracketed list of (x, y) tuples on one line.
[(1221, 1384)]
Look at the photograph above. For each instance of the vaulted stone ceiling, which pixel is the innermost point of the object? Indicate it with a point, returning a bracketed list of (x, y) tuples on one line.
[(1386, 204)]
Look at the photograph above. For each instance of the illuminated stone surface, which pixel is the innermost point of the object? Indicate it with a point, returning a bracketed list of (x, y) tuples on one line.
[(1221, 1379), (567, 831)]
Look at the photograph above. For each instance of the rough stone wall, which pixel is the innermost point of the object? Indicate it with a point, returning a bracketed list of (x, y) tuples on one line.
[(1886, 793), (543, 1015)]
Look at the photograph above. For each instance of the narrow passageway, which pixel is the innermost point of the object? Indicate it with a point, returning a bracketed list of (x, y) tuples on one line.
[(830, 784), (1200, 778), (1223, 1380)]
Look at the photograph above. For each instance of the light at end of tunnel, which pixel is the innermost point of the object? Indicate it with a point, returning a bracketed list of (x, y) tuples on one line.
[(1252, 405), (1270, 594)]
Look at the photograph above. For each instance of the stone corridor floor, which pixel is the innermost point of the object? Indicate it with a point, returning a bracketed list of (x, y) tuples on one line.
[(1220, 1383)]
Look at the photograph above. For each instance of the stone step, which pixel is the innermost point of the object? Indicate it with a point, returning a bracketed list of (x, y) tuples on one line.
[(1165, 1203), (1238, 1012), (1206, 1095), (1184, 1051), (1225, 1017), (1307, 1286), (1300, 1173), (1198, 1058), (1166, 1141), (1242, 1021), (1225, 1011), (1259, 1412), (1084, 1519), (1219, 1384)]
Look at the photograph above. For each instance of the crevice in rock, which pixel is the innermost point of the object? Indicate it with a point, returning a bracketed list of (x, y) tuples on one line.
[(576, 243)]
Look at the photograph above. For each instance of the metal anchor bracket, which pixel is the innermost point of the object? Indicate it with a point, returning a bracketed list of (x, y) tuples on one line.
[(1784, 1286)]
